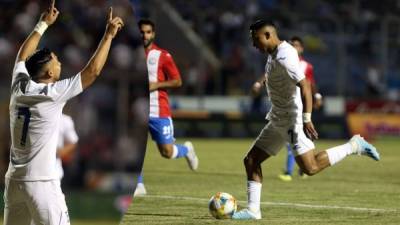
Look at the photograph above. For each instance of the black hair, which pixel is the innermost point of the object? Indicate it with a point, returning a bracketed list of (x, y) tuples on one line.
[(34, 64), (147, 22), (298, 39), (260, 24)]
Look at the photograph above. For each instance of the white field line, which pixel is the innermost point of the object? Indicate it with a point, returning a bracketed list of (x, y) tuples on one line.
[(288, 204)]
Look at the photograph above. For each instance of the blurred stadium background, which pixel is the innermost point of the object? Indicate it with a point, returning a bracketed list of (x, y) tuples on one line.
[(353, 45)]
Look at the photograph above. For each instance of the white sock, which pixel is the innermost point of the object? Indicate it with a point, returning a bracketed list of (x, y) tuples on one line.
[(254, 195), (338, 153), (174, 152)]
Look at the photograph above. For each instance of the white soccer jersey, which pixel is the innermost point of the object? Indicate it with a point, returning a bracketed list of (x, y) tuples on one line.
[(35, 113), (67, 134), (283, 72)]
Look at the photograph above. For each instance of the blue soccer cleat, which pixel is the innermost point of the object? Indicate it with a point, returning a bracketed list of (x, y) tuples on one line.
[(362, 147), (246, 214)]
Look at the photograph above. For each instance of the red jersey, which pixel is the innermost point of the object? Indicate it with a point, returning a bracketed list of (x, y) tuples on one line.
[(161, 67), (308, 69)]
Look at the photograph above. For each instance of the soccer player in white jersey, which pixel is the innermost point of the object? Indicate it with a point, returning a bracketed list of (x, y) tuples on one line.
[(67, 141), (32, 187), (289, 92)]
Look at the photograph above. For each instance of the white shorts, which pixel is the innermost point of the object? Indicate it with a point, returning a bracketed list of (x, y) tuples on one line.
[(34, 202), (272, 138)]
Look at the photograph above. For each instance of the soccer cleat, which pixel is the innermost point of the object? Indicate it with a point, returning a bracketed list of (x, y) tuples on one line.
[(140, 190), (362, 147), (285, 177), (246, 214), (302, 174), (191, 156)]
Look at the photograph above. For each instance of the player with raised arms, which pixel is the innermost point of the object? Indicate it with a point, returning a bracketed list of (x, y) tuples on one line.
[(32, 187), (289, 119)]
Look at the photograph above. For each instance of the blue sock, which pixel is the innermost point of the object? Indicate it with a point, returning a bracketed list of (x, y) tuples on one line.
[(140, 178), (182, 151), (289, 161)]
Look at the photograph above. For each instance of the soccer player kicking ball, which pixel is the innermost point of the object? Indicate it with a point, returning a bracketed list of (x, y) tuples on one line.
[(288, 91), (32, 186), (163, 75)]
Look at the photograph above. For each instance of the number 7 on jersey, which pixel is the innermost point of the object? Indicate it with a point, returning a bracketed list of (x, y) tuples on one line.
[(24, 111)]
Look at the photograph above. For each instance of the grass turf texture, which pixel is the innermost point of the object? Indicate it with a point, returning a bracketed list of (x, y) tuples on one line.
[(357, 182)]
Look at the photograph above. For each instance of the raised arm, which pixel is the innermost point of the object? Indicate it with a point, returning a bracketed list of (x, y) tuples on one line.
[(96, 63), (29, 46)]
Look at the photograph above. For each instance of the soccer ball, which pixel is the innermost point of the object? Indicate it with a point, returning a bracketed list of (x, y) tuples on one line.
[(222, 205)]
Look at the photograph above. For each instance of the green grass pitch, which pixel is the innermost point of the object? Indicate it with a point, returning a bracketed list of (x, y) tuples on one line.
[(358, 190)]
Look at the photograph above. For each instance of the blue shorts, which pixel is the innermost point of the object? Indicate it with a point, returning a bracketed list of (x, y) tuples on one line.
[(161, 130)]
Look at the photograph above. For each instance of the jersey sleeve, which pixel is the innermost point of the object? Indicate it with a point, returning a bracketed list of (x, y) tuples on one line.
[(291, 63), (70, 134), (169, 67), (19, 72), (63, 90)]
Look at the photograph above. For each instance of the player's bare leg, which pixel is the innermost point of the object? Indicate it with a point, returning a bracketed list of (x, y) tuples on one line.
[(252, 163), (166, 150), (312, 163)]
